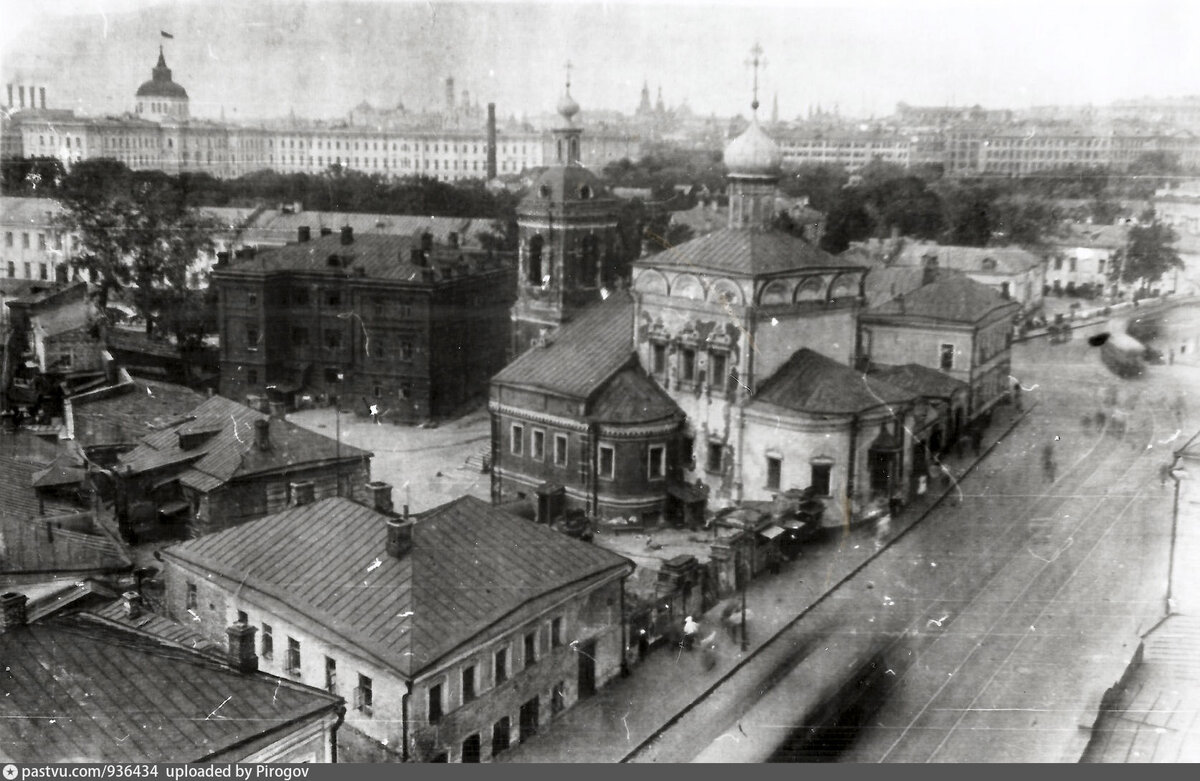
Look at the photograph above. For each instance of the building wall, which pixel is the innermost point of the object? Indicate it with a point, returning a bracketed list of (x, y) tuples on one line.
[(895, 344), (594, 615), (311, 741), (32, 249)]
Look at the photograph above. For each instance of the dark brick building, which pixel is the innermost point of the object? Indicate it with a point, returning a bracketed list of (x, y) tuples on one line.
[(397, 321)]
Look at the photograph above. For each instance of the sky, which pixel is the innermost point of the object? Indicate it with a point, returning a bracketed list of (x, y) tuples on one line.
[(258, 58)]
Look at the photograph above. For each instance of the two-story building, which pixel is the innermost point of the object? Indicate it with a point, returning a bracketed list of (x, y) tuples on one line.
[(453, 634), (415, 329), (955, 325), (1014, 273)]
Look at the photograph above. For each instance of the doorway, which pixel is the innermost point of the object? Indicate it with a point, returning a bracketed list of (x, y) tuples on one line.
[(587, 668), (529, 720)]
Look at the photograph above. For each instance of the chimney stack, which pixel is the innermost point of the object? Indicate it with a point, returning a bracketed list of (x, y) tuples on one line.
[(241, 648), (929, 276), (131, 604), (12, 610), (399, 537), (381, 496), (10, 96), (453, 239), (303, 233), (302, 493), (262, 434), (417, 257), (223, 258), (491, 142), (427, 241), (347, 235), (42, 92), (21, 90)]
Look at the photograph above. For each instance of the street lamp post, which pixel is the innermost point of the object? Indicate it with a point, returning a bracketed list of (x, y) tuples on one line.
[(1178, 474), (744, 578)]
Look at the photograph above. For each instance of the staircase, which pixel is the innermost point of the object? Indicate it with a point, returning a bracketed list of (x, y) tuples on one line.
[(480, 461)]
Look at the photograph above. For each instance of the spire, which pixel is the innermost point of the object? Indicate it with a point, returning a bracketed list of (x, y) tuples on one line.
[(756, 60)]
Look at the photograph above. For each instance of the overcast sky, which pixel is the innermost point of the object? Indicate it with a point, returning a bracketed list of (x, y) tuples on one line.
[(256, 58)]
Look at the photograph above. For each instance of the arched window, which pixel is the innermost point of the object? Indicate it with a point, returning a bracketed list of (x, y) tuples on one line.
[(688, 286), (535, 260), (777, 293)]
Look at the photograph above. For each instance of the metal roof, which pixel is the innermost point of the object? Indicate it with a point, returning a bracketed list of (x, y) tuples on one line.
[(954, 298), (581, 354), (632, 397), (748, 252), (77, 691), (811, 383), (921, 380), (471, 569)]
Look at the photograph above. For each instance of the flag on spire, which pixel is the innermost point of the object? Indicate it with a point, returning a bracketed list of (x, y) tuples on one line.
[(166, 34)]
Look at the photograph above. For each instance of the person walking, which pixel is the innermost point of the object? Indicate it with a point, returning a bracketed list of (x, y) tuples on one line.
[(730, 620), (690, 630)]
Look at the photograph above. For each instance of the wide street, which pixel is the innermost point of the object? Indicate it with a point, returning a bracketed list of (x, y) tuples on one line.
[(1005, 618)]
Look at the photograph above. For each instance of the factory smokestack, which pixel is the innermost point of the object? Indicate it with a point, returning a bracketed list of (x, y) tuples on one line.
[(491, 142)]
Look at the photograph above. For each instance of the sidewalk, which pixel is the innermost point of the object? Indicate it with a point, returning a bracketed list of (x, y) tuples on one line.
[(661, 687)]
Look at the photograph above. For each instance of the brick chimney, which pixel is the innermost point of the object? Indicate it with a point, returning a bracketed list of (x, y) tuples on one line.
[(491, 141), (399, 535), (427, 242), (303, 233), (262, 434), (131, 604), (930, 273), (417, 257), (12, 610), (381, 496), (241, 656), (302, 493), (347, 235), (453, 239)]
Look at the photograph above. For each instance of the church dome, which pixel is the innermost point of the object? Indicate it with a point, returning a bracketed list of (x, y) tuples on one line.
[(567, 107), (753, 153)]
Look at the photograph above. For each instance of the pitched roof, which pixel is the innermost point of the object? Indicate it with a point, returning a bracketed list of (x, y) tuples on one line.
[(379, 256), (811, 383), (921, 380), (471, 568), (36, 546), (954, 298), (883, 283), (18, 210), (753, 252), (582, 354), (632, 397), (229, 451), (1007, 260), (18, 499), (131, 411), (78, 691), (284, 224)]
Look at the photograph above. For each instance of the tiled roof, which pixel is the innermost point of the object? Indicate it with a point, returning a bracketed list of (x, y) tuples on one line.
[(379, 257), (230, 451), (811, 383), (921, 380), (141, 408), (632, 397), (753, 252), (1008, 260), (954, 298), (582, 354), (77, 691), (472, 567)]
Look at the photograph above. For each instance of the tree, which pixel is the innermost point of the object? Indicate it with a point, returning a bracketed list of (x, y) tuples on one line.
[(848, 221), (31, 177), (1148, 253)]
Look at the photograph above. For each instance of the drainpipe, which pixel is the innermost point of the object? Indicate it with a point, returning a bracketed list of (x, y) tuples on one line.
[(850, 464), (404, 698), (594, 453), (341, 718), (624, 635)]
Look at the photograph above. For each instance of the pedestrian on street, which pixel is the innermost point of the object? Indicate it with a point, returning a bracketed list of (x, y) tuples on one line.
[(708, 647), (773, 561), (1017, 395), (729, 619), (690, 630)]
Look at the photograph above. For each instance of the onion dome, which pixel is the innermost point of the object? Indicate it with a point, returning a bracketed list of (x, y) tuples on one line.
[(161, 85), (753, 153), (567, 107)]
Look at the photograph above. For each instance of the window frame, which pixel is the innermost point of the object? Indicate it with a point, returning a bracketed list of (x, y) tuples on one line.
[(364, 696), (470, 674), (711, 448), (814, 468), (435, 703), (774, 472), (661, 462), (330, 674), (292, 664), (266, 642), (500, 665), (516, 439), (942, 355), (611, 472), (537, 444), (529, 648), (564, 441)]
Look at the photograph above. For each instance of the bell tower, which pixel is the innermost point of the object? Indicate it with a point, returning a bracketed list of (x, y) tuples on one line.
[(567, 225)]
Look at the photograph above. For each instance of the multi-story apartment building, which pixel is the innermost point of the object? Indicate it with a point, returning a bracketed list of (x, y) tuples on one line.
[(34, 244), (849, 149), (413, 327)]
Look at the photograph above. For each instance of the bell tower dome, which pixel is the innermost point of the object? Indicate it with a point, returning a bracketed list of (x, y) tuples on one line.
[(754, 161), (161, 98)]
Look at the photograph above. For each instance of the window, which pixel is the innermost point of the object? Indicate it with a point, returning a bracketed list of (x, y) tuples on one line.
[(687, 364), (716, 373), (517, 439), (333, 298), (364, 697), (299, 337), (242, 618), (774, 472), (530, 649), (330, 675), (252, 299), (300, 296), (43, 271), (716, 452), (251, 337), (658, 357), (190, 599), (820, 478), (608, 459), (42, 242), (25, 240), (267, 643), (435, 703), (501, 666), (560, 449), (557, 697), (252, 376), (947, 357), (293, 656), (556, 632), (535, 260), (656, 469), (468, 683), (471, 750), (537, 444), (406, 350), (501, 736), (333, 339), (8, 239)]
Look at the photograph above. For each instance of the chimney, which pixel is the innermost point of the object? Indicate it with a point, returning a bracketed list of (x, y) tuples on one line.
[(262, 434), (302, 493), (222, 258), (241, 656), (347, 235), (42, 92), (453, 239), (326, 230), (417, 257), (399, 536), (303, 234), (131, 604), (21, 89), (10, 96), (491, 142), (929, 276), (12, 610), (427, 241), (381, 496)]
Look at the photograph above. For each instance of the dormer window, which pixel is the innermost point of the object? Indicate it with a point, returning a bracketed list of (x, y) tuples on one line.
[(585, 192), (544, 191), (332, 261)]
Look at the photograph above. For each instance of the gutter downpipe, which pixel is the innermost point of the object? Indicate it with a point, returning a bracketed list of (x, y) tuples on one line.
[(341, 718), (404, 720)]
